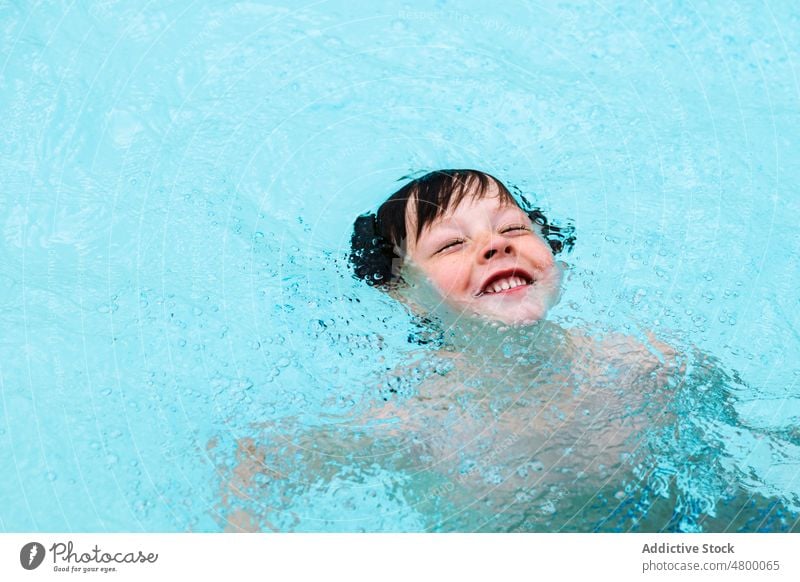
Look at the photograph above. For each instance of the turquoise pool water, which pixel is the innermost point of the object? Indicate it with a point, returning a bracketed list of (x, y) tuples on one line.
[(183, 347)]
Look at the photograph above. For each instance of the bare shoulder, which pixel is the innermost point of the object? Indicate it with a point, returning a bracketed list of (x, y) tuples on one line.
[(618, 346)]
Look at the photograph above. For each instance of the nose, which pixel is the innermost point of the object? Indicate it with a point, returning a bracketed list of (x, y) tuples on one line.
[(496, 245)]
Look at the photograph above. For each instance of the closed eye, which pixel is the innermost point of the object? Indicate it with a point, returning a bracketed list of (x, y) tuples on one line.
[(450, 244), (515, 227)]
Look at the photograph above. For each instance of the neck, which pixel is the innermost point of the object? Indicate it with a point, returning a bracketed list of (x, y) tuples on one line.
[(493, 342)]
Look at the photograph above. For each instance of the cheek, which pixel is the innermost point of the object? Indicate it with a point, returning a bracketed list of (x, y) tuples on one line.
[(450, 277), (540, 252)]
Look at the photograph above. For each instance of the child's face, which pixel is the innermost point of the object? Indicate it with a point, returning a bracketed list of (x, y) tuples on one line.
[(484, 257)]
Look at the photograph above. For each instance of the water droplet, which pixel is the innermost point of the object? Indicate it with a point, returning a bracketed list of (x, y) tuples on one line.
[(51, 476), (548, 507)]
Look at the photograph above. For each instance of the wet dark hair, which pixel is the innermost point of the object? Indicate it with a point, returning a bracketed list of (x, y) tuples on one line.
[(379, 238)]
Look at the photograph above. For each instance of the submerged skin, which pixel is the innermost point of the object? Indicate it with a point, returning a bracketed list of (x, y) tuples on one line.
[(523, 439), (477, 242)]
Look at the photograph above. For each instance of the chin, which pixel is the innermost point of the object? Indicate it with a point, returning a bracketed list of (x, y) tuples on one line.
[(516, 316), (530, 310)]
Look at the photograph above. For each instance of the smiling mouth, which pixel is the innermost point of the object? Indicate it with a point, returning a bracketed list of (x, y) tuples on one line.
[(505, 281)]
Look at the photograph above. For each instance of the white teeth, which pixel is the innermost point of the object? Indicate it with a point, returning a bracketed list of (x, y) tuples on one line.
[(505, 284)]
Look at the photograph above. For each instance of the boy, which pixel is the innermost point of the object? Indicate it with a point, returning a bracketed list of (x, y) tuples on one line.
[(505, 428)]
